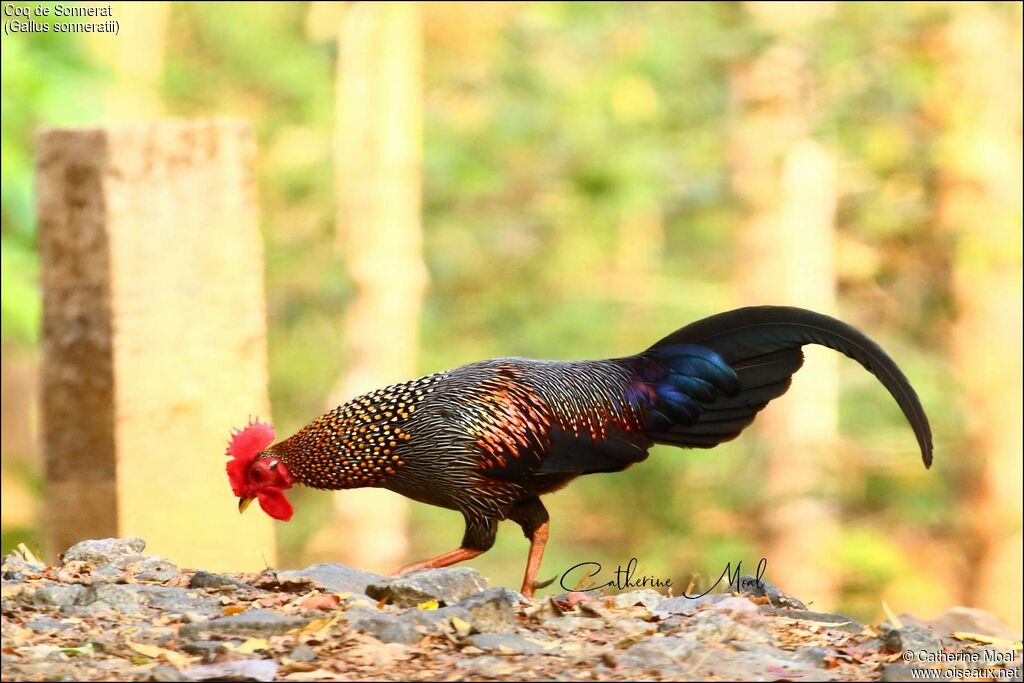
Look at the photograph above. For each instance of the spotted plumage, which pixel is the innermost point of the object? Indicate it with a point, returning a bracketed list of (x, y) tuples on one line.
[(359, 443), (489, 438)]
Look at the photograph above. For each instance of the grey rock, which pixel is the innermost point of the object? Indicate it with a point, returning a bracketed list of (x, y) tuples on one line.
[(303, 653), (168, 674), (737, 607), (55, 595), (759, 662), (632, 628), (492, 611), (154, 569), (814, 655), (205, 579), (47, 624), (671, 622), (972, 620), (648, 598), (337, 578), (109, 597), (444, 585), (688, 658), (898, 671), (107, 574), (909, 637), (434, 620), (207, 649), (681, 604), (238, 670), (718, 627), (387, 628), (490, 666), (509, 643), (563, 626), (759, 588), (841, 621), (665, 656), (255, 621), (175, 599), (117, 552), (512, 596), (16, 568)]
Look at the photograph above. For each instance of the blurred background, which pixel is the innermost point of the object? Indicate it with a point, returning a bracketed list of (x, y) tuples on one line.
[(575, 180)]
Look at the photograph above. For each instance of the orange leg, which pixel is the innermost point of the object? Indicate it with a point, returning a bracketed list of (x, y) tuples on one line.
[(538, 540), (445, 560)]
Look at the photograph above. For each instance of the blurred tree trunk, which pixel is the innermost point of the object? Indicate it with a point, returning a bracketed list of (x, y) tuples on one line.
[(378, 156), (980, 204), (786, 256), (135, 59)]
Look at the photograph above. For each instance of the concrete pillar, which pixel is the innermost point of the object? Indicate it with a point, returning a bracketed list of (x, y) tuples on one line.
[(154, 340)]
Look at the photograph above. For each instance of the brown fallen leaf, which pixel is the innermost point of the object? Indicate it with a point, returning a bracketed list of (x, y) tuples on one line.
[(318, 627), (576, 597), (249, 646), (990, 640), (26, 554), (321, 601), (893, 619), (175, 659), (314, 675), (274, 600), (461, 626)]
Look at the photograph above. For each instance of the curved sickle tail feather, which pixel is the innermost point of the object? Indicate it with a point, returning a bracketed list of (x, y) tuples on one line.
[(762, 345)]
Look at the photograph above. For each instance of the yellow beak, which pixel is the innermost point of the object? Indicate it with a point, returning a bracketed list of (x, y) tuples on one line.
[(244, 503)]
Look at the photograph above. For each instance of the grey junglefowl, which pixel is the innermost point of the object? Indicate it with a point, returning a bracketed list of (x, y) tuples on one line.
[(490, 438)]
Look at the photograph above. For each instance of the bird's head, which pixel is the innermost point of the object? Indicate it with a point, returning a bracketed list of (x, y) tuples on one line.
[(255, 472)]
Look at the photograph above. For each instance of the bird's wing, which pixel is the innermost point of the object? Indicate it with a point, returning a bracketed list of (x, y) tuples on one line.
[(530, 417)]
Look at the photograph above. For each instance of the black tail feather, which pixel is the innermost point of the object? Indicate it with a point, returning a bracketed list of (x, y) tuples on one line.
[(762, 344)]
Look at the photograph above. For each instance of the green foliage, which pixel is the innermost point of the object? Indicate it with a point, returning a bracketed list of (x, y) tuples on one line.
[(46, 81)]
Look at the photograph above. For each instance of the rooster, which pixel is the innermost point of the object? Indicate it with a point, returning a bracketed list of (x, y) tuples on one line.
[(488, 439)]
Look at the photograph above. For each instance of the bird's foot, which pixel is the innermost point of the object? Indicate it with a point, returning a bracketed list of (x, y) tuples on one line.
[(529, 588)]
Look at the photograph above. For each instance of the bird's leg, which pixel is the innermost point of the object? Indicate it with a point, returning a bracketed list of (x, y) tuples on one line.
[(537, 542), (444, 560), (532, 516), (478, 539)]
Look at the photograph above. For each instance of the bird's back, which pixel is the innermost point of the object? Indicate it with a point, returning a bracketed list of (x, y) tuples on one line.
[(514, 426)]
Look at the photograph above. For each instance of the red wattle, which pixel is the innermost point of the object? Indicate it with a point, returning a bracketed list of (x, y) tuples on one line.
[(275, 504)]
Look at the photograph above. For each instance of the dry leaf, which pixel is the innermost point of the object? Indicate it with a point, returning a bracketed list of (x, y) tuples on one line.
[(315, 675), (175, 659), (318, 627), (321, 601), (990, 640), (231, 610), (27, 555), (462, 627), (893, 619), (249, 646)]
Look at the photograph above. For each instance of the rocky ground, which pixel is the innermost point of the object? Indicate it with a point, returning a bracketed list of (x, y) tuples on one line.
[(109, 612)]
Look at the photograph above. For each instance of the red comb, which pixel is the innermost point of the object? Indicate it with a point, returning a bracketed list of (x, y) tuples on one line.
[(243, 448)]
